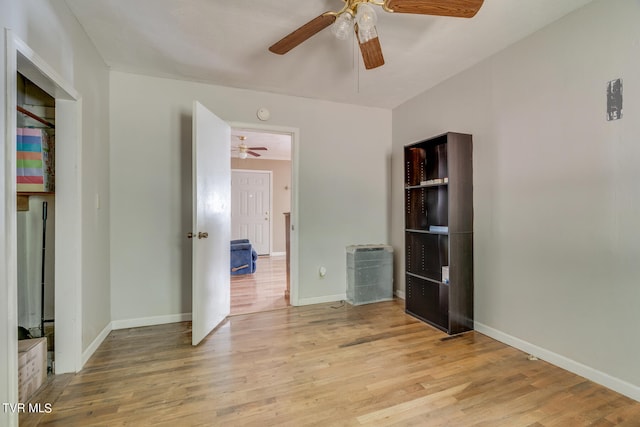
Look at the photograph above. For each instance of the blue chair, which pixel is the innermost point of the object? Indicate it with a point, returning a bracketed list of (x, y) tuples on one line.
[(243, 257)]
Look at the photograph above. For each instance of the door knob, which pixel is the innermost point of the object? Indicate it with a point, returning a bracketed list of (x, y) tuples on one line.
[(189, 235), (202, 235)]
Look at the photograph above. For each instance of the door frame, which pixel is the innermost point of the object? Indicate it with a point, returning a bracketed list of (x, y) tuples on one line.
[(270, 173), (294, 298), (68, 264)]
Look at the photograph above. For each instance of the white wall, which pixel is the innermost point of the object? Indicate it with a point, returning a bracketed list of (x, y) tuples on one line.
[(30, 263), (556, 195), (343, 179), (54, 34)]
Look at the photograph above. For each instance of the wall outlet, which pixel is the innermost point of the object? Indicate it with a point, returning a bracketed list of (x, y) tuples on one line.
[(322, 271)]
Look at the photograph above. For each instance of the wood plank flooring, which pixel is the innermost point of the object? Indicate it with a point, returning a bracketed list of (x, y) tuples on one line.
[(325, 365), (264, 290)]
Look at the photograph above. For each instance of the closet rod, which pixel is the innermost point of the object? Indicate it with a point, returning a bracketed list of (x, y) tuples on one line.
[(34, 117)]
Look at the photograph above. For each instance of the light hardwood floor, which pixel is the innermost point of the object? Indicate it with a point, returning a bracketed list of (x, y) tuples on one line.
[(264, 290), (324, 365)]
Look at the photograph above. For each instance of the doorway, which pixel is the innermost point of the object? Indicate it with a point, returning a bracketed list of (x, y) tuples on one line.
[(262, 191), (35, 181)]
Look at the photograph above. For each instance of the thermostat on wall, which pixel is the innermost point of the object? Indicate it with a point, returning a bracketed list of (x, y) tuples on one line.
[(263, 114)]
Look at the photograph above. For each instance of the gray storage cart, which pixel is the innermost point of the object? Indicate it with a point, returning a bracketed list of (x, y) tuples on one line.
[(369, 274)]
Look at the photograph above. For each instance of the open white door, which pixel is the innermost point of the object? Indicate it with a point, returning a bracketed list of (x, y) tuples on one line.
[(211, 222)]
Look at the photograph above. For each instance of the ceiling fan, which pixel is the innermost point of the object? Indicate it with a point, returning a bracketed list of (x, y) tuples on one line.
[(360, 16), (244, 150)]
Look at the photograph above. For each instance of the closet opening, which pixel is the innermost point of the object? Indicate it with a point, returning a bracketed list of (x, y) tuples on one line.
[(35, 186), (63, 223)]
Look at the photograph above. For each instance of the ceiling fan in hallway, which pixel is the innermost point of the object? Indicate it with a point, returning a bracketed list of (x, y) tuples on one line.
[(360, 17), (244, 151)]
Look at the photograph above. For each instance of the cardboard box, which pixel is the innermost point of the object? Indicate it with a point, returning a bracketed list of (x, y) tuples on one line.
[(32, 367)]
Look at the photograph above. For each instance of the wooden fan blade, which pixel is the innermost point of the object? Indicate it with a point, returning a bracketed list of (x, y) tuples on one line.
[(455, 8), (371, 53), (257, 148), (303, 33), (253, 153)]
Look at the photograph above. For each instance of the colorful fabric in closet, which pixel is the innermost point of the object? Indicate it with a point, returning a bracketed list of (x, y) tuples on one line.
[(34, 168)]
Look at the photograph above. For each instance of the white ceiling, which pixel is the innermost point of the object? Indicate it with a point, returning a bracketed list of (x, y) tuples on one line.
[(225, 43)]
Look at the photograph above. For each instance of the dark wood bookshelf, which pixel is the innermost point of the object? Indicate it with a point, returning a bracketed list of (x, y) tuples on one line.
[(439, 231)]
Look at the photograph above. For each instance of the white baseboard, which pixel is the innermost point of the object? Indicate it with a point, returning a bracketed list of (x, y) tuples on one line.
[(563, 362), (278, 253), (150, 321), (320, 300), (86, 355), (400, 294)]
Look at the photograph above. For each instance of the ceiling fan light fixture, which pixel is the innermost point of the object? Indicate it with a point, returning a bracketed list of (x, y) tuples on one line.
[(242, 154), (366, 17), (343, 27), (360, 15)]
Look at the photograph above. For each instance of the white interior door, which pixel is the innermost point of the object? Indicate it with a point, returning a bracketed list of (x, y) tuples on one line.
[(251, 211), (211, 222)]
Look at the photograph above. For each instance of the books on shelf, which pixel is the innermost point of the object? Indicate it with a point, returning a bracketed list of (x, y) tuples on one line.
[(445, 274), (435, 181)]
